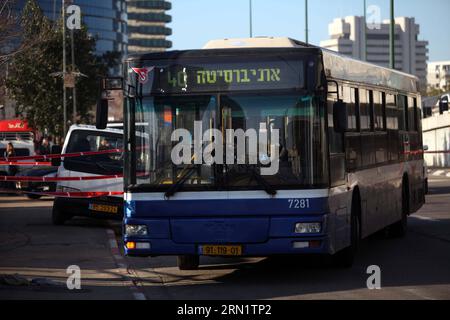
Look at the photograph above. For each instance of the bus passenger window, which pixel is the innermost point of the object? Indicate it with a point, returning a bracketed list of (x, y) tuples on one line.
[(391, 112), (402, 113), (412, 107), (378, 111), (349, 97), (364, 110)]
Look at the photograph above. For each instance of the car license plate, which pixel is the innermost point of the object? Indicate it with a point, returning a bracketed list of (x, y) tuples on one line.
[(218, 250), (103, 208)]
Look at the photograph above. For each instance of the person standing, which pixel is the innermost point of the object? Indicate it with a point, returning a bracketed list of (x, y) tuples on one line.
[(44, 149), (12, 170)]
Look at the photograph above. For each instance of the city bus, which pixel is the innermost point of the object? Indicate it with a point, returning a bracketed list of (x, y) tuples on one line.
[(265, 146)]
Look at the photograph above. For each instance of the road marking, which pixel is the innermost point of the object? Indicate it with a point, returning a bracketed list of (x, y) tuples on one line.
[(423, 218), (416, 292), (113, 243), (139, 296), (123, 267)]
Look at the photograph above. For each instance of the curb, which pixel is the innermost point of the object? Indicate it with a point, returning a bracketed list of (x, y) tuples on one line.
[(123, 267)]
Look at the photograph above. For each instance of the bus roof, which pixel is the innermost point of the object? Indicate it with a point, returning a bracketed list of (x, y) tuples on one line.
[(336, 66)]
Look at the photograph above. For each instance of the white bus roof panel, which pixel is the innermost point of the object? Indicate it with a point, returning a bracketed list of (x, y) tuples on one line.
[(337, 66)]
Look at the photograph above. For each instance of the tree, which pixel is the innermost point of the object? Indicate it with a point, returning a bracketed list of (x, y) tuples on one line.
[(38, 94)]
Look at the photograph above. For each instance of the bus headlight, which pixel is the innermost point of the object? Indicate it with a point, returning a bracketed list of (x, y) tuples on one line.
[(308, 227), (136, 230)]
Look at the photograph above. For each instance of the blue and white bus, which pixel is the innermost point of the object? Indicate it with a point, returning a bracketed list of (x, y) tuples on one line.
[(348, 147)]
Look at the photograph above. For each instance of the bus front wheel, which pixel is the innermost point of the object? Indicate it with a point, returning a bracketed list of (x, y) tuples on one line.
[(345, 257), (188, 262)]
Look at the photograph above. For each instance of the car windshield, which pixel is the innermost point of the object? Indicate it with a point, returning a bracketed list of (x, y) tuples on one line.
[(230, 141)]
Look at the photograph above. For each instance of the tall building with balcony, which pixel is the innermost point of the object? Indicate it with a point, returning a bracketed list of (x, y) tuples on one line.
[(439, 75), (147, 31), (411, 54)]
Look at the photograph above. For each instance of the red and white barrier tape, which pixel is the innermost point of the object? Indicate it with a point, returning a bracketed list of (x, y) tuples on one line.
[(81, 195), (55, 179), (56, 156), (16, 163)]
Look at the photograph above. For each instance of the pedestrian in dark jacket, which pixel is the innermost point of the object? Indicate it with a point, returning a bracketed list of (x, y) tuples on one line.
[(12, 170)]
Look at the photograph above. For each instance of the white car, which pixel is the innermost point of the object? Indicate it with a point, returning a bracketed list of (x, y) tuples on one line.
[(84, 138)]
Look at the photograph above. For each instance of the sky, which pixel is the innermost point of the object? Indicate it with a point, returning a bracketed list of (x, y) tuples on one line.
[(194, 22)]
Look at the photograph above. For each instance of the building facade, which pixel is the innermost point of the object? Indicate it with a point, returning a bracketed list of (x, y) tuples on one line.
[(106, 20), (411, 54), (439, 75), (147, 31)]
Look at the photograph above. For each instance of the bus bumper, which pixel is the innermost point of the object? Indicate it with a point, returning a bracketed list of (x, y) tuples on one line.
[(280, 241)]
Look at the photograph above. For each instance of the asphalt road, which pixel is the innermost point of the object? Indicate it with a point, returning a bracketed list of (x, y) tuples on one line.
[(38, 254)]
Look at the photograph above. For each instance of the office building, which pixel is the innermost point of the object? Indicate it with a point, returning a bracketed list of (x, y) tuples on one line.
[(411, 54), (147, 29), (439, 75)]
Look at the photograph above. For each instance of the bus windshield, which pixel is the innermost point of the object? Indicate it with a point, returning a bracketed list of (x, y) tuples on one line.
[(246, 122)]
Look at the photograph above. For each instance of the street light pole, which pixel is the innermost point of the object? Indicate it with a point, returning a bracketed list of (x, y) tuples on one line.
[(251, 18), (364, 55), (306, 22), (392, 38), (74, 89), (63, 10)]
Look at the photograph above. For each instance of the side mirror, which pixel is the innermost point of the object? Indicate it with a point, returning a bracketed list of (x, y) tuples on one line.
[(101, 119), (425, 148), (56, 162), (340, 116)]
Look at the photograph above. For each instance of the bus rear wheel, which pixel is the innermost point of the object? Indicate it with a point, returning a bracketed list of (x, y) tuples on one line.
[(398, 229), (188, 262)]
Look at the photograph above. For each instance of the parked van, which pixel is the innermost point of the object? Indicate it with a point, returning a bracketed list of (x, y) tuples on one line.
[(84, 138)]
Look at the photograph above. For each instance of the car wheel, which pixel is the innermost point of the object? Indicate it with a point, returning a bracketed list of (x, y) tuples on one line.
[(188, 262), (58, 217)]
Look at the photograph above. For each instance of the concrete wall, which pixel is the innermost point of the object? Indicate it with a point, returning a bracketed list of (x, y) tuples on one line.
[(436, 135)]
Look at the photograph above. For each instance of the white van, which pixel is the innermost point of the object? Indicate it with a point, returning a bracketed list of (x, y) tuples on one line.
[(85, 138)]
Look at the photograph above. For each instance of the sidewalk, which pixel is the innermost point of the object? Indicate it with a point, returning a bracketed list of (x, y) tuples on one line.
[(34, 255)]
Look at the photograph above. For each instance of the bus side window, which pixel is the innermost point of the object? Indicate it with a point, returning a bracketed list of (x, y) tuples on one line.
[(349, 97), (364, 110), (402, 113), (412, 114), (392, 126), (378, 111)]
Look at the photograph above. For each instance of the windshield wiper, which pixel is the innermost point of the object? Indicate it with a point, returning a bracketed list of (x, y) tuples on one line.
[(177, 185), (260, 179)]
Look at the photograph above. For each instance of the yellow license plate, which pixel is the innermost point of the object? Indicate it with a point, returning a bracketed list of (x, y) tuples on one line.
[(215, 250), (103, 208)]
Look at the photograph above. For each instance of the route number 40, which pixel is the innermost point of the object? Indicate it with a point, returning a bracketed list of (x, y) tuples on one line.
[(298, 203)]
